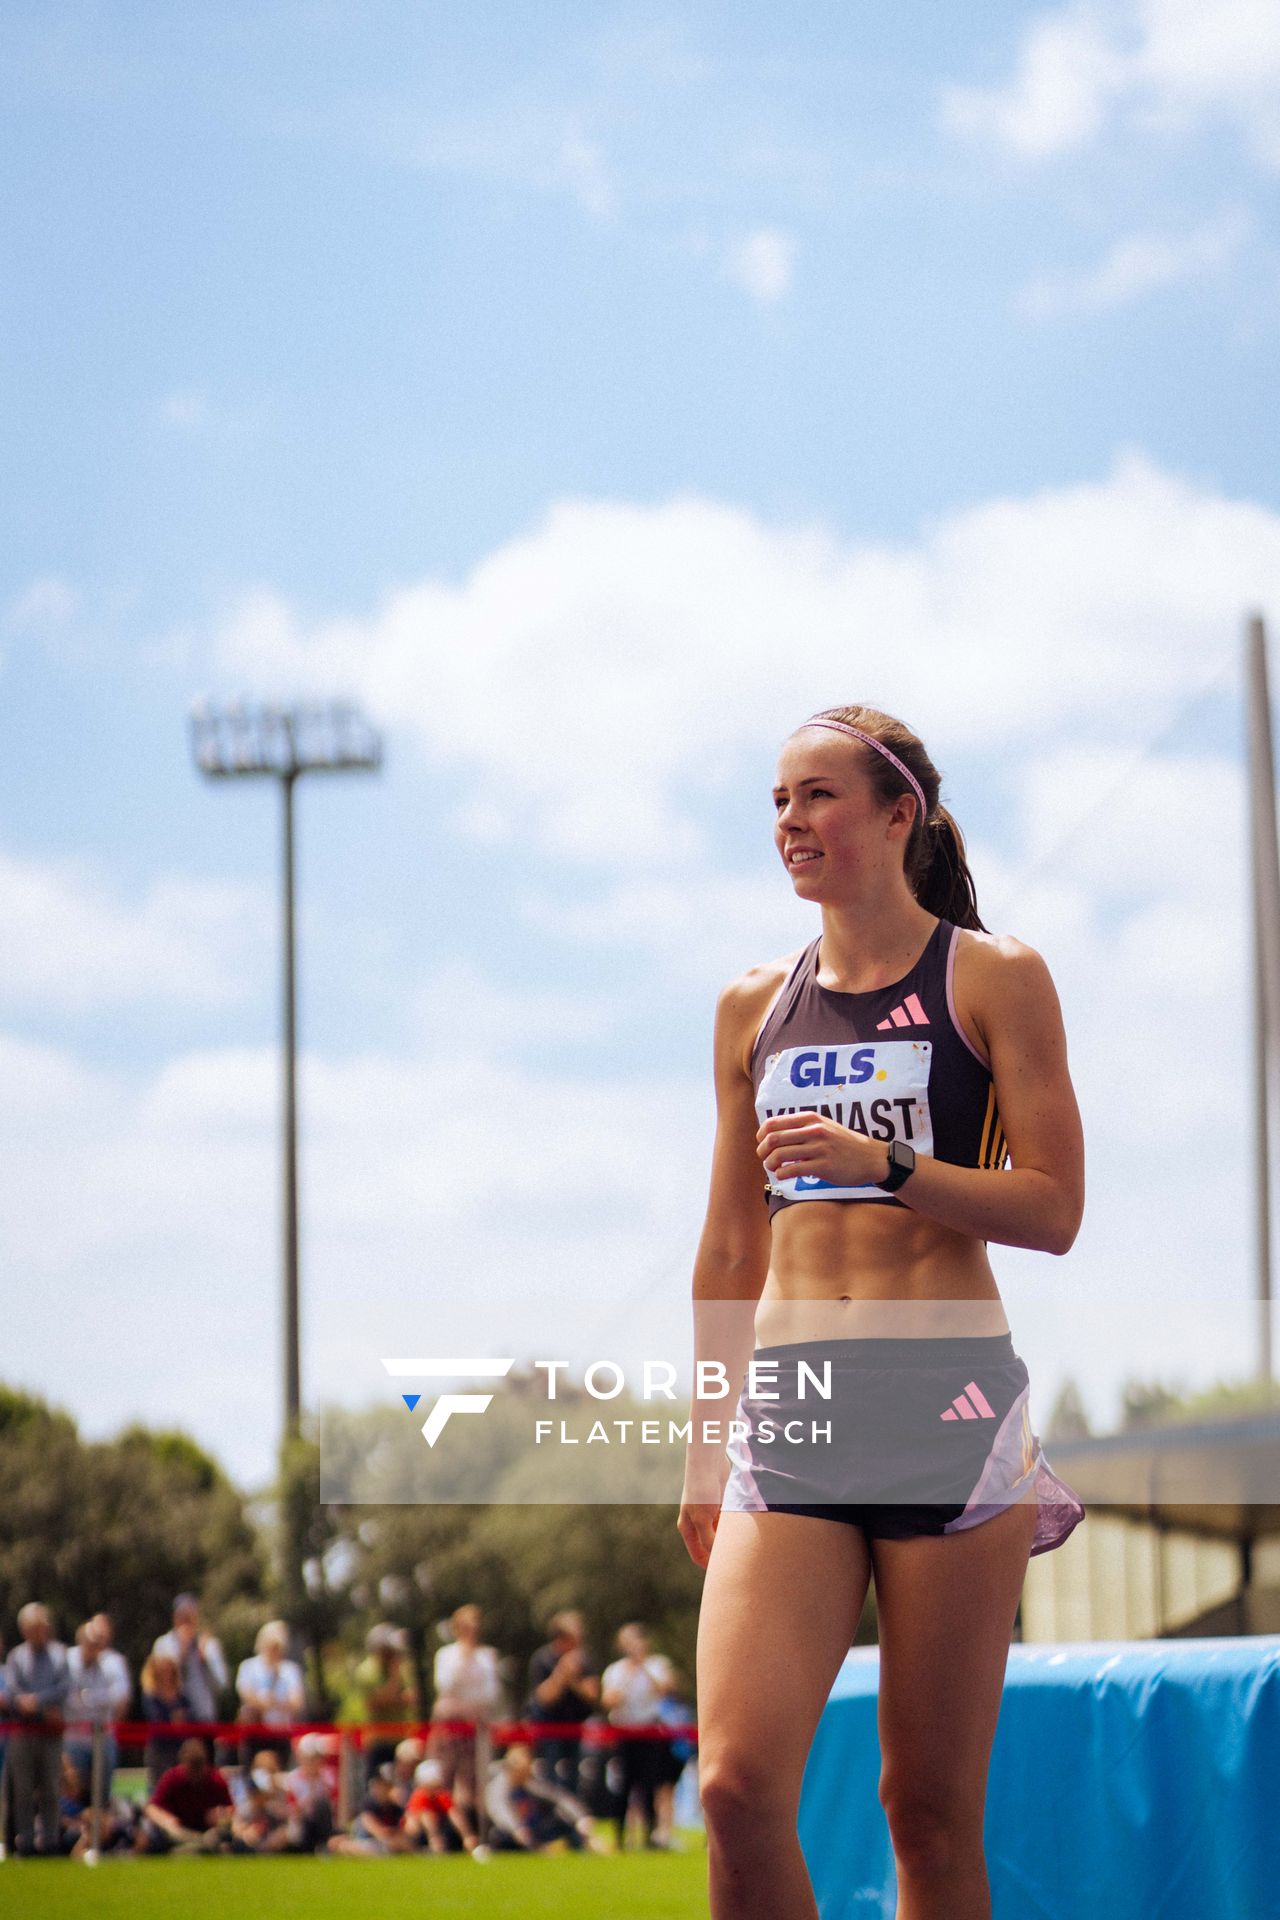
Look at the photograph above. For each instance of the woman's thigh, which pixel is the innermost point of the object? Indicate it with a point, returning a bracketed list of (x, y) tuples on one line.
[(946, 1607), (780, 1605)]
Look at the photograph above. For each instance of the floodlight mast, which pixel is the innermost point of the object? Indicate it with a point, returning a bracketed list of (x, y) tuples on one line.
[(239, 741)]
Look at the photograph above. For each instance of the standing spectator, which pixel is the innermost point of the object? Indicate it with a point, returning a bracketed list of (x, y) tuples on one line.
[(631, 1689), (199, 1657), (270, 1687), (91, 1697), (6, 1713), (676, 1753), (190, 1808), (163, 1703), (37, 1682), (564, 1687), (310, 1801), (468, 1687), (386, 1687), (115, 1665), (526, 1814)]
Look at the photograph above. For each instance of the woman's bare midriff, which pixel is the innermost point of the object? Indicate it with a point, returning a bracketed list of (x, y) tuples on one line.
[(842, 1270)]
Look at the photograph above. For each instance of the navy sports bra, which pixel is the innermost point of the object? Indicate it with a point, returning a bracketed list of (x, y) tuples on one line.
[(892, 1062)]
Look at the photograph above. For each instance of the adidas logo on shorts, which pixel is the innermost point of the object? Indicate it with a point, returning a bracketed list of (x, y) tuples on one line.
[(971, 1404)]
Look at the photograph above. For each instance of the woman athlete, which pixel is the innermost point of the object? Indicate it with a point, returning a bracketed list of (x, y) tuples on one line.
[(869, 1091)]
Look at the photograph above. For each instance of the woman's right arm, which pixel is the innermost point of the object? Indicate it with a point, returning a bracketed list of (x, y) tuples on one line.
[(732, 1260)]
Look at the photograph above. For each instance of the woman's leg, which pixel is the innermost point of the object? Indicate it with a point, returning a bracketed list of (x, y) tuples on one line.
[(946, 1607), (781, 1603)]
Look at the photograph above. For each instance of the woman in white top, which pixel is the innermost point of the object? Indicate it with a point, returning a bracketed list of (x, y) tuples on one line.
[(271, 1690), (468, 1686), (630, 1690)]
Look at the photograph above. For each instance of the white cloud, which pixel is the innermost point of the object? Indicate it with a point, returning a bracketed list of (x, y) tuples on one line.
[(762, 264), (530, 144), (595, 682), (1068, 69), (47, 602), (74, 945), (1138, 265), (1171, 65), (583, 167)]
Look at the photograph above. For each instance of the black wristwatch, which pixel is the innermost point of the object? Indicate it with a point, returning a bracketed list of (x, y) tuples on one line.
[(902, 1164)]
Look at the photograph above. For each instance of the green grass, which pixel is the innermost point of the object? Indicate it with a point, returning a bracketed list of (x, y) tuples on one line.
[(570, 1886)]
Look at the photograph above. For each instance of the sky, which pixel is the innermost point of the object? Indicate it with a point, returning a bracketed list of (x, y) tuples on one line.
[(588, 393)]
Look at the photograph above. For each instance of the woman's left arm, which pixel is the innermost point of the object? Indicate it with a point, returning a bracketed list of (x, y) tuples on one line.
[(1038, 1202)]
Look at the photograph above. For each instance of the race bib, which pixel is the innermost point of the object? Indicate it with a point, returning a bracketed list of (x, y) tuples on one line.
[(876, 1087)]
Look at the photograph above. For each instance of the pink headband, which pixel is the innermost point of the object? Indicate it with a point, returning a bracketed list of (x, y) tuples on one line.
[(842, 726)]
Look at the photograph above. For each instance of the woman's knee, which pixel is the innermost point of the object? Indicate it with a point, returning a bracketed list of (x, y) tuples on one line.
[(739, 1792), (930, 1830)]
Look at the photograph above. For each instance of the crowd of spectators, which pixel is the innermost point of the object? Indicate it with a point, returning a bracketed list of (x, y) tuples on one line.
[(267, 1793)]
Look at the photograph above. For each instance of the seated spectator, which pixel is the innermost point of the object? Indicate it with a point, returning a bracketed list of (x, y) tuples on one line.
[(309, 1797), (260, 1821), (163, 1703), (432, 1819), (377, 1828), (528, 1814), (270, 1687), (399, 1770), (116, 1817), (73, 1805), (190, 1809)]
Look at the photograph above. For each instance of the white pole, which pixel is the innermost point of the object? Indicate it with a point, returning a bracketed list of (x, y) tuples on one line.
[(1265, 877)]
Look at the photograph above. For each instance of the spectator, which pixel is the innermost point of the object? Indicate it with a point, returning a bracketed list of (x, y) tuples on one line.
[(564, 1687), (377, 1828), (398, 1772), (527, 1814), (432, 1819), (73, 1805), (199, 1657), (675, 1755), (310, 1801), (631, 1690), (116, 1818), (468, 1687), (91, 1697), (190, 1809), (260, 1817), (115, 1665), (163, 1704), (270, 1687), (386, 1687), (6, 1713), (37, 1681)]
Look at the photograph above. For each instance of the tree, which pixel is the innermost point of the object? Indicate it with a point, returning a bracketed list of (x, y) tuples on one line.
[(121, 1525)]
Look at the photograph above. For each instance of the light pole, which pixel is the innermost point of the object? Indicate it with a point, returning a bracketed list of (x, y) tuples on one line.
[(240, 741)]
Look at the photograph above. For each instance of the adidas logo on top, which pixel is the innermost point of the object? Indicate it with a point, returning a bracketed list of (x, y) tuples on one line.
[(975, 1407), (909, 1014)]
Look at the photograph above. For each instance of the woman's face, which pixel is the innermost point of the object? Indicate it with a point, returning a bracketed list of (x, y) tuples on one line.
[(825, 814)]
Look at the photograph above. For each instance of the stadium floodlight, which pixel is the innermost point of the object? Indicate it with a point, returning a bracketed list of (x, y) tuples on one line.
[(238, 741)]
